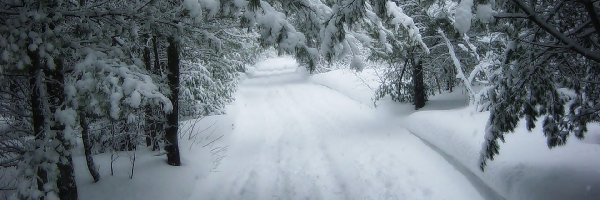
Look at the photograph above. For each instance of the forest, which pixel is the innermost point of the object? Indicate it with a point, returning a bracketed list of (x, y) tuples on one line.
[(104, 83)]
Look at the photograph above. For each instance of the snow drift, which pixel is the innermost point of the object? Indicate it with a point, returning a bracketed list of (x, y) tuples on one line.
[(525, 168)]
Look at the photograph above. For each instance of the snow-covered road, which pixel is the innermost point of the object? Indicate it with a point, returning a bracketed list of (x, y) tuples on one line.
[(294, 139)]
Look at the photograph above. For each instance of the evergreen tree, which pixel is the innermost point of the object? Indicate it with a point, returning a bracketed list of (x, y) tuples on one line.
[(549, 70)]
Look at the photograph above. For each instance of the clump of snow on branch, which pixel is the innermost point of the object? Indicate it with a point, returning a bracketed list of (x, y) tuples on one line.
[(240, 3), (213, 41), (485, 13), (195, 7), (334, 32), (212, 6), (382, 32), (463, 16), (276, 29), (399, 18), (357, 64), (440, 11), (124, 85)]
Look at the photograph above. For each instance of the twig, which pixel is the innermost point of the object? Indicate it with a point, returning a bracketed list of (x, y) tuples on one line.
[(213, 141)]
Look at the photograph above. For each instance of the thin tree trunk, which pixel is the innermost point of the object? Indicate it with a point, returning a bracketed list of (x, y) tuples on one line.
[(419, 86), (87, 146), (172, 146), (155, 49), (399, 83), (437, 82), (450, 80), (35, 81), (67, 188)]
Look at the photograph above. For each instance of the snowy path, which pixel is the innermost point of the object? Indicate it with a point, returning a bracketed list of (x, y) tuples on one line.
[(296, 140)]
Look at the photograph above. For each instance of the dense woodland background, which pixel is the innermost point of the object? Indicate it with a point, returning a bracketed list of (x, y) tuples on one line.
[(119, 75)]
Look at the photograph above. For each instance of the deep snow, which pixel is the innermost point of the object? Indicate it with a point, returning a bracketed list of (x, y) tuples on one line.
[(298, 140), (525, 168), (293, 136)]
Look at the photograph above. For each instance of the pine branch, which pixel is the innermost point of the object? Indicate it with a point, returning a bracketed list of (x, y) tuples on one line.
[(592, 55)]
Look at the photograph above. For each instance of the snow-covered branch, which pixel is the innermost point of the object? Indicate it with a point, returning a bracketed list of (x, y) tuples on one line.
[(459, 71), (399, 18)]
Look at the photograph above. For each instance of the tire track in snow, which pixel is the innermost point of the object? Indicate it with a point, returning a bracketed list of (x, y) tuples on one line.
[(298, 140), (322, 113), (482, 188), (324, 163)]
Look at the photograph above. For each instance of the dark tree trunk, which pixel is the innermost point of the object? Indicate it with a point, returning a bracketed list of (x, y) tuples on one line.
[(37, 121), (155, 126), (419, 86), (67, 188), (399, 83), (155, 49), (449, 80), (437, 82), (87, 146), (172, 145)]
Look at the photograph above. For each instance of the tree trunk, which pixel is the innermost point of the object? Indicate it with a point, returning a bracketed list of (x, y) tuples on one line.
[(67, 188), (399, 83), (437, 82), (87, 146), (450, 80), (172, 146), (37, 121), (419, 86), (155, 49)]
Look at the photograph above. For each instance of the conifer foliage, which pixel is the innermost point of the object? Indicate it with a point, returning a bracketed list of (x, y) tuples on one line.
[(109, 71), (550, 70)]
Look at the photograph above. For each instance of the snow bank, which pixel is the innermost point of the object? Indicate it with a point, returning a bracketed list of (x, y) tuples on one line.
[(525, 168), (273, 66), (359, 86)]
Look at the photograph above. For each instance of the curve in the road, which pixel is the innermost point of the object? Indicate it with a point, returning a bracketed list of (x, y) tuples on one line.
[(297, 140)]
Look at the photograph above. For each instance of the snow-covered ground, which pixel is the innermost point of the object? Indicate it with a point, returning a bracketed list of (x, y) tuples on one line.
[(525, 168), (273, 66), (202, 146), (300, 140), (291, 136)]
